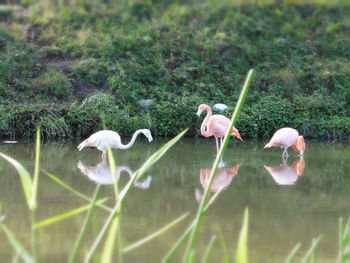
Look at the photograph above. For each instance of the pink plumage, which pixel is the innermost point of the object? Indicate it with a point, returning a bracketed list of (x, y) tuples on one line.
[(285, 138), (215, 125)]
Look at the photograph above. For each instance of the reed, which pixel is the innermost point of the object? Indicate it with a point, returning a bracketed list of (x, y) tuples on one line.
[(203, 204)]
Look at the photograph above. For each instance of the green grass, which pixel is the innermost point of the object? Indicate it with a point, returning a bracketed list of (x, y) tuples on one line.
[(72, 67)]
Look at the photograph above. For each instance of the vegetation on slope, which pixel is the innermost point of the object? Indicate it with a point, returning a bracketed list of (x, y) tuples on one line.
[(76, 66)]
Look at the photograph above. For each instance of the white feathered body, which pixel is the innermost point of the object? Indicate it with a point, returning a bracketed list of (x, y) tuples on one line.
[(101, 140), (284, 138)]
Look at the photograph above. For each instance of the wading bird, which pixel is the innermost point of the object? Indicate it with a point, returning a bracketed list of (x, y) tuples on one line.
[(102, 139), (215, 125), (285, 138)]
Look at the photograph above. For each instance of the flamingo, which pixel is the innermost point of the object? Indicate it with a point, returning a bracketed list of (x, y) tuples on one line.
[(102, 139), (287, 175), (285, 138), (215, 125), (102, 174)]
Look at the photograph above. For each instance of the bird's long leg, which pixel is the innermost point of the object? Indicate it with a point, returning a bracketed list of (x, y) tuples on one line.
[(104, 156), (221, 140), (217, 145)]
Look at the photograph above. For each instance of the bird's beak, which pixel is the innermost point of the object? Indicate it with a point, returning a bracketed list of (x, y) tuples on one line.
[(150, 139), (236, 133), (198, 113)]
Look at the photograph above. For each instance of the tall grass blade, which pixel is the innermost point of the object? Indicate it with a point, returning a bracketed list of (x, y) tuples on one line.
[(209, 250), (66, 215), (17, 245), (26, 180), (107, 254), (242, 248), (87, 219), (155, 234), (36, 169), (199, 215), (293, 253), (178, 244), (69, 188), (312, 249), (112, 166), (150, 161)]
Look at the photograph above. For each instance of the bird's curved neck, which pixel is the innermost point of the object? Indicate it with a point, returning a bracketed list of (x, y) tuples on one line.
[(204, 126), (132, 141)]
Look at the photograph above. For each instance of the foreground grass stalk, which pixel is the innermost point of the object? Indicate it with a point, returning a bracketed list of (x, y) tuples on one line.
[(218, 158), (208, 251), (293, 253), (242, 247), (36, 169), (17, 245), (150, 161), (155, 234), (77, 245), (69, 188), (113, 171), (66, 215)]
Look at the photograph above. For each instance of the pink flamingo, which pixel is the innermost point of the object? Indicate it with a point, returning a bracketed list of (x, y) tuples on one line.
[(215, 125), (285, 138)]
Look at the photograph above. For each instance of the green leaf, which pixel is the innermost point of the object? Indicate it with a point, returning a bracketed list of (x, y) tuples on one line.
[(69, 188), (107, 254), (209, 250), (66, 215), (155, 234), (36, 169), (85, 224), (242, 248), (312, 249), (26, 180), (293, 253), (17, 245)]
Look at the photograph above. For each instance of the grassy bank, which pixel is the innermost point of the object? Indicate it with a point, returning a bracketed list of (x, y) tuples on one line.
[(71, 67)]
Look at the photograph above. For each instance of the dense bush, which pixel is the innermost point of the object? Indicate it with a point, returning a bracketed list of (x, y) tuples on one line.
[(178, 55)]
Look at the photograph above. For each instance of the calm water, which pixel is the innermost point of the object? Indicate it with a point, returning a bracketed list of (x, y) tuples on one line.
[(289, 203)]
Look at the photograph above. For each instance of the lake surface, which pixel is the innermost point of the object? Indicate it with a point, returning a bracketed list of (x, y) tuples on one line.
[(288, 203)]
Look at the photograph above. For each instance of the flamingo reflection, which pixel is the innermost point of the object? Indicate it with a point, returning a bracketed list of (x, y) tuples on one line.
[(101, 174), (222, 180), (287, 175)]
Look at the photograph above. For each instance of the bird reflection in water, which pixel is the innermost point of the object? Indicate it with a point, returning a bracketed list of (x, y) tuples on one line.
[(222, 180), (287, 175), (102, 174)]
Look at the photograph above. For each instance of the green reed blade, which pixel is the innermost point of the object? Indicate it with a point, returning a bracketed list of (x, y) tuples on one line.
[(107, 254), (150, 161), (312, 249), (17, 245), (192, 256), (69, 188), (293, 253), (74, 254), (155, 234), (209, 250), (112, 166), (178, 244), (36, 169), (201, 209), (26, 180), (242, 248), (66, 215)]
